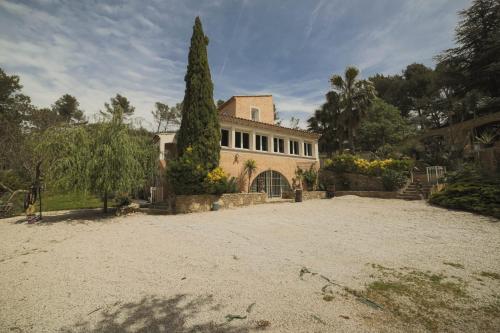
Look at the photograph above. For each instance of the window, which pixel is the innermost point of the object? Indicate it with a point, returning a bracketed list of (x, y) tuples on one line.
[(224, 137), (279, 145), (308, 149), (242, 140), (294, 147), (255, 114), (261, 142)]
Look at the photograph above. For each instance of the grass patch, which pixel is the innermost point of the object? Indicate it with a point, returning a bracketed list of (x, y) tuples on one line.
[(452, 264), (432, 301), (68, 201), (491, 275)]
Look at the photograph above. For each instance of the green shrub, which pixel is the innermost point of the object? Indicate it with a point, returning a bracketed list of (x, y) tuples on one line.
[(470, 190), (393, 180), (186, 175), (310, 176)]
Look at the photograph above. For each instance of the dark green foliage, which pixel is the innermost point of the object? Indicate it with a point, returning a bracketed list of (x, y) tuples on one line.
[(186, 174), (67, 109), (310, 176), (393, 180), (474, 64), (468, 189), (199, 128), (382, 126), (326, 122), (14, 109)]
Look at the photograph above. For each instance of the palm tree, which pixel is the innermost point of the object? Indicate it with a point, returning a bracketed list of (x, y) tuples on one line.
[(355, 96), (249, 168)]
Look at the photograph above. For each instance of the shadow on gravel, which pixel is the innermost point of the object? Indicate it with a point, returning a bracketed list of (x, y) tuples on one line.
[(78, 216), (154, 315)]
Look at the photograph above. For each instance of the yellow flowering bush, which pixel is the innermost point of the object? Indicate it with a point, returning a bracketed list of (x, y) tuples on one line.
[(218, 182), (215, 176), (355, 164)]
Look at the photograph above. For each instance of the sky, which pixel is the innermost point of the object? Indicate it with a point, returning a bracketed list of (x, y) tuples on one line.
[(94, 49)]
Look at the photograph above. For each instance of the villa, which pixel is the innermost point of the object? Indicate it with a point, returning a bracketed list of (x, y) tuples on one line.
[(248, 132)]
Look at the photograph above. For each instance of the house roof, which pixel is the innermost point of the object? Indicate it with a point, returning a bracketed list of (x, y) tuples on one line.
[(276, 128), (233, 97)]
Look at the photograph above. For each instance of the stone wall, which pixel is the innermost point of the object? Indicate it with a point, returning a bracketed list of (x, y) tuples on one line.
[(351, 181), (204, 202), (309, 195)]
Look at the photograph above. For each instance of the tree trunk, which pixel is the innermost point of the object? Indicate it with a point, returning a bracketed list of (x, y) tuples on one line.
[(249, 178), (105, 209), (351, 139)]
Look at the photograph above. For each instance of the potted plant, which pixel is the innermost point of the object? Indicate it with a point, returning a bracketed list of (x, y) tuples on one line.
[(486, 139)]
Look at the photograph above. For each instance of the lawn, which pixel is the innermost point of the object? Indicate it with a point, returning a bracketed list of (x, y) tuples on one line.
[(68, 201)]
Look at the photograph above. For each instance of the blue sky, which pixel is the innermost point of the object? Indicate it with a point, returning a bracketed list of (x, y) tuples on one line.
[(94, 49)]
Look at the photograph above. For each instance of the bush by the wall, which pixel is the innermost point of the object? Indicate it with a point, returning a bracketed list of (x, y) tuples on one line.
[(393, 180), (186, 175), (469, 190), (217, 182)]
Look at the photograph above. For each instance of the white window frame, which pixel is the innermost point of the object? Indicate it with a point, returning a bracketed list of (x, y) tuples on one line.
[(308, 152), (290, 145), (252, 108), (228, 137), (277, 151), (260, 142), (241, 132)]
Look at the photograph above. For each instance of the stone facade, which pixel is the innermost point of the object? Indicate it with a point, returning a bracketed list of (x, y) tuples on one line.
[(204, 203)]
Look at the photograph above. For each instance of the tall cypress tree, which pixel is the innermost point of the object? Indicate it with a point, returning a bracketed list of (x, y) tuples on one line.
[(200, 128)]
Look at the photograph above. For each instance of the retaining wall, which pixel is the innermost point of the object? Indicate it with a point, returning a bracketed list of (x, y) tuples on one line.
[(204, 202)]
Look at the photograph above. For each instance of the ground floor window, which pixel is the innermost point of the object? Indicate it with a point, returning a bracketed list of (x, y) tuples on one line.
[(271, 182)]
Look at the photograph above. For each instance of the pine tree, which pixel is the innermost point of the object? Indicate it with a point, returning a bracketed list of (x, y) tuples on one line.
[(199, 128)]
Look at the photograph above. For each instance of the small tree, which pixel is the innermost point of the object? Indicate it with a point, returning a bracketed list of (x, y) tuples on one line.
[(67, 108), (249, 168), (120, 108)]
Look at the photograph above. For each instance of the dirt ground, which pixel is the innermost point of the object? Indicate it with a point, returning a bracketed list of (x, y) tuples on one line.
[(346, 264)]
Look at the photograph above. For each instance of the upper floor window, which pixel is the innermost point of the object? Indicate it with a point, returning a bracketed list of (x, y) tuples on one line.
[(224, 137), (294, 147), (308, 149), (279, 145), (242, 140), (261, 142), (255, 114)]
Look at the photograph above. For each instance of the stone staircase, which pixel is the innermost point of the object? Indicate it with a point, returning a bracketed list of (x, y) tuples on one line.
[(417, 190)]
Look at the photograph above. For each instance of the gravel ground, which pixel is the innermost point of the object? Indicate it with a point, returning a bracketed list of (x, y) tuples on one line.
[(232, 270)]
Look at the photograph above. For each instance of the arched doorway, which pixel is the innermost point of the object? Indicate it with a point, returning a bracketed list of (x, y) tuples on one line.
[(271, 182)]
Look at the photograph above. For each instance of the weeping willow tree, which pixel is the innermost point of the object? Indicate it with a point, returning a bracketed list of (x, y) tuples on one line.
[(102, 158)]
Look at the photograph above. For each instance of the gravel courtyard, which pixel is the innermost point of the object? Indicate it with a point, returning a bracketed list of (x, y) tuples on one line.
[(342, 265)]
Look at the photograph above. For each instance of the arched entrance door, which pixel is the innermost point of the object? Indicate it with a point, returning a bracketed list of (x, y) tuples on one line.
[(271, 182)]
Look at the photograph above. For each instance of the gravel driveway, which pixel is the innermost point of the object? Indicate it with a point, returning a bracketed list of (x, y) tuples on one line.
[(275, 267)]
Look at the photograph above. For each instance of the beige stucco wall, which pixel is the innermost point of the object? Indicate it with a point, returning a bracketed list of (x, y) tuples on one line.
[(240, 106), (232, 162)]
